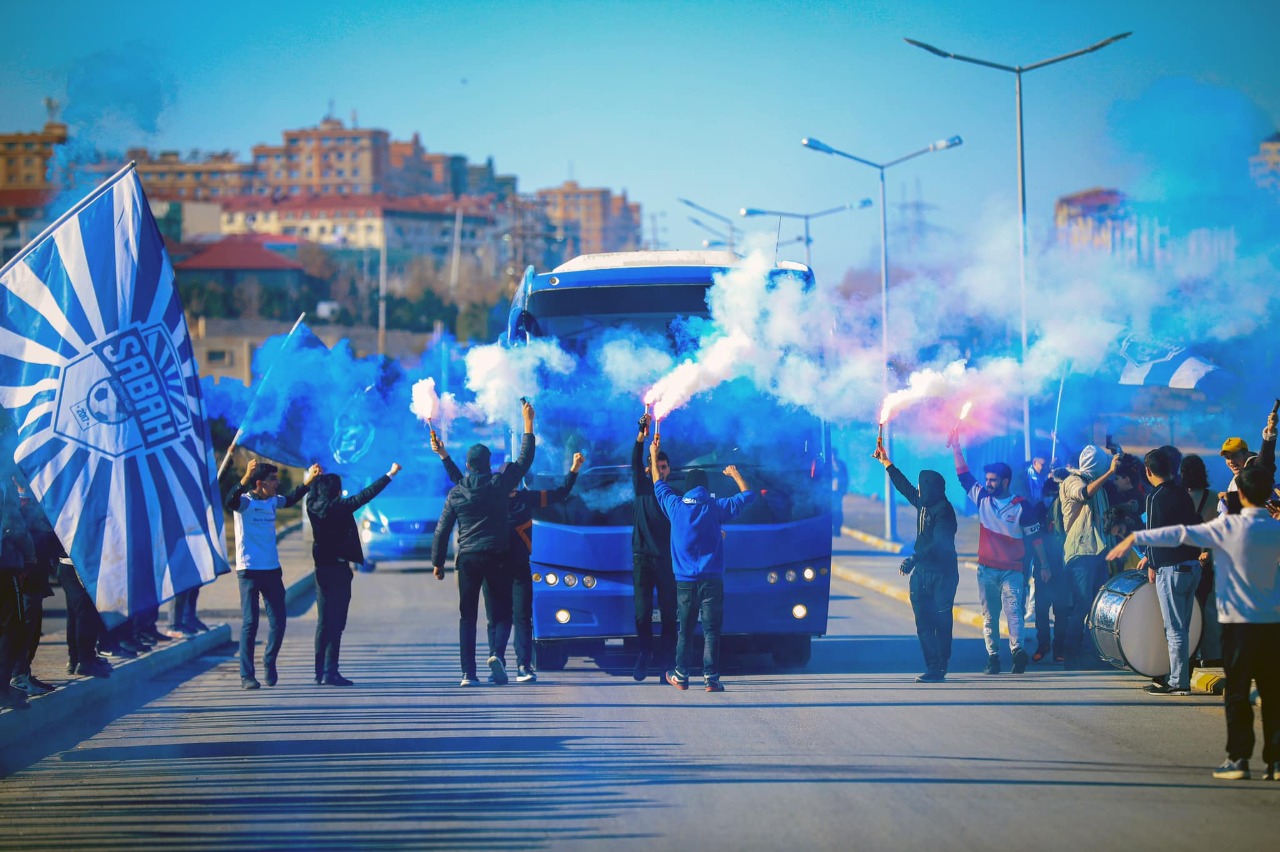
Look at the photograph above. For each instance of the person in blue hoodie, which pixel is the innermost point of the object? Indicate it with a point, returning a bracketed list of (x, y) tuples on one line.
[(697, 557)]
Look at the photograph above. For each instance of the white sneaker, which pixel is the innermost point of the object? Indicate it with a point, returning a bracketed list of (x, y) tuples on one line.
[(466, 681), (499, 670), (524, 674)]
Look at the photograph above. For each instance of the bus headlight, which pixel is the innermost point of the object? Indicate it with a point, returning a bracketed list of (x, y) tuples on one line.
[(537, 578), (809, 574), (589, 581), (562, 616), (552, 579), (772, 576), (570, 580), (799, 611), (791, 575)]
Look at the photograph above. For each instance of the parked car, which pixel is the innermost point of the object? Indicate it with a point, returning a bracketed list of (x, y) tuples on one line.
[(400, 524)]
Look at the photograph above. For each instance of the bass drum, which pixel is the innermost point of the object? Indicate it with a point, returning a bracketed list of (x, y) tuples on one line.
[(1128, 627)]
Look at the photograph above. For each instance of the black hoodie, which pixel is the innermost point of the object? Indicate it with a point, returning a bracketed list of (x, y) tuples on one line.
[(478, 505), (333, 520), (935, 523)]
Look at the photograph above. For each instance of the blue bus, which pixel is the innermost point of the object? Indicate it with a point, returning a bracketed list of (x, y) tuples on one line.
[(650, 308)]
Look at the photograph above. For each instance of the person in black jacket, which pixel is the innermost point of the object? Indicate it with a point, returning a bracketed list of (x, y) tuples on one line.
[(478, 505), (1175, 571), (17, 555), (519, 549), (335, 548), (651, 560), (34, 587), (933, 567)]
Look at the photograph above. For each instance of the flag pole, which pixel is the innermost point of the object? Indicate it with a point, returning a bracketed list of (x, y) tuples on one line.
[(240, 432), (76, 208)]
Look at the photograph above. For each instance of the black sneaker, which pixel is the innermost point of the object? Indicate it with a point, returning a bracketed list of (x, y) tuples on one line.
[(677, 681), (118, 652), (932, 677), (1233, 770), (13, 699), (273, 677), (71, 667), (1164, 689), (1272, 773), (337, 680), (28, 685), (641, 670), (713, 685), (249, 683), (993, 665), (524, 674), (94, 668), (1019, 662)]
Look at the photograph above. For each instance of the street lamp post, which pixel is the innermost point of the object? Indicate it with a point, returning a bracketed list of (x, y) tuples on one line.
[(890, 515), (732, 240), (751, 211), (1018, 71), (725, 240)]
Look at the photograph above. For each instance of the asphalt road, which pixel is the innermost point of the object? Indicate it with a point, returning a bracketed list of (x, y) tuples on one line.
[(848, 754)]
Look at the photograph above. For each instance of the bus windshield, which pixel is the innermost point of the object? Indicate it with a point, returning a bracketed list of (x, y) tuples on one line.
[(777, 449)]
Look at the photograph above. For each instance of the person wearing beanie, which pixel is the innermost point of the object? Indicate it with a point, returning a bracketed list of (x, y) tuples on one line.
[(519, 549), (933, 567), (478, 505)]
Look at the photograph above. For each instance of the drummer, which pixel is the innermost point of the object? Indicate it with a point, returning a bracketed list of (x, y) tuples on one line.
[(1175, 571)]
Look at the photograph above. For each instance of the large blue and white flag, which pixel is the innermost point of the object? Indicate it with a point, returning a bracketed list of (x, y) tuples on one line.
[(98, 377)]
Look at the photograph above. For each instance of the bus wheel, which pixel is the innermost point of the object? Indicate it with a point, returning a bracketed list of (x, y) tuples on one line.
[(792, 652), (550, 656)]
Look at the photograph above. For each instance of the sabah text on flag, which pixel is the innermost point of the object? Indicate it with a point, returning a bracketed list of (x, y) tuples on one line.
[(98, 377)]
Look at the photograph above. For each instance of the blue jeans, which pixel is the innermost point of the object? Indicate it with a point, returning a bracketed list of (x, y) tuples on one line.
[(1001, 590), (269, 584), (1085, 575), (1176, 589), (708, 597)]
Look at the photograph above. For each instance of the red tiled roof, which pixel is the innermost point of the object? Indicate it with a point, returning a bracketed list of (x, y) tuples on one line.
[(235, 253), (472, 205), (26, 197)]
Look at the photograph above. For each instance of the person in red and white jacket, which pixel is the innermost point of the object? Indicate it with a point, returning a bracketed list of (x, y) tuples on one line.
[(1008, 523)]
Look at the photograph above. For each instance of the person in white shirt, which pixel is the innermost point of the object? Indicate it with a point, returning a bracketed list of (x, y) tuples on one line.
[(253, 504), (1247, 581)]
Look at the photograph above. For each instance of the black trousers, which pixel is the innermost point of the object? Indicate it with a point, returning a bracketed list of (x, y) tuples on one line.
[(521, 609), (473, 570), (933, 594), (12, 643), (84, 625), (333, 602), (1251, 653), (650, 573)]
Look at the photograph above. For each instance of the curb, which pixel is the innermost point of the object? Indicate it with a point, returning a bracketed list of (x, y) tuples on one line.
[(873, 540), (1210, 681), (962, 615), (81, 696)]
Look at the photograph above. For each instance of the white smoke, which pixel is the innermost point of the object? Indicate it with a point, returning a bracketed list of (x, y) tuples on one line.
[(499, 376)]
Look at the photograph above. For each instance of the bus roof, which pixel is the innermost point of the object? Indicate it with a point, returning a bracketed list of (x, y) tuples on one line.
[(616, 259)]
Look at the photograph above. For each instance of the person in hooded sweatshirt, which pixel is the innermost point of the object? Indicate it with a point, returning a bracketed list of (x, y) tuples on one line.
[(933, 568), (519, 549), (1084, 505), (697, 559), (335, 548), (478, 506)]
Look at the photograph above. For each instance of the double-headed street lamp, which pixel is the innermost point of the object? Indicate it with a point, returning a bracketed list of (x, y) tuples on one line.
[(751, 211), (732, 238), (890, 515), (1018, 71)]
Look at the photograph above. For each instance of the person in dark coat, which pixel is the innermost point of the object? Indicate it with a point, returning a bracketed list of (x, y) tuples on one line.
[(651, 569), (933, 568), (478, 506), (34, 587), (17, 556), (519, 549), (336, 547)]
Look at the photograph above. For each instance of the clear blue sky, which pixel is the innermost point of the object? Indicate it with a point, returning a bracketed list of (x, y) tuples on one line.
[(707, 101)]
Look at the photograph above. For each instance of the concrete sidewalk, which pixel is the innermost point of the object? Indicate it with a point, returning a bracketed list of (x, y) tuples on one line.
[(78, 697), (864, 522)]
